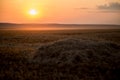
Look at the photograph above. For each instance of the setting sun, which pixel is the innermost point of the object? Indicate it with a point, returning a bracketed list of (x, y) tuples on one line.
[(33, 12)]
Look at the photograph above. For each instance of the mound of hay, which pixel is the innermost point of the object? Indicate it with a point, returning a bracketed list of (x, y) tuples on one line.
[(77, 51)]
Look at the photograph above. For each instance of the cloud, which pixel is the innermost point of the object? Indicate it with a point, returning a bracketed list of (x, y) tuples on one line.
[(110, 7), (82, 8)]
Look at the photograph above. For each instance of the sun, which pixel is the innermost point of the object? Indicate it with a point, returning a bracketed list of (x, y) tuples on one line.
[(33, 12)]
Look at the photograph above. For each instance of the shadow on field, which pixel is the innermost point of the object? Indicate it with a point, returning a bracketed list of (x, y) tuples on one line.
[(68, 59)]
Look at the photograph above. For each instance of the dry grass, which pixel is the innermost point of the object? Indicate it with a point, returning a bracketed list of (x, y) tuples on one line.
[(67, 50), (60, 55)]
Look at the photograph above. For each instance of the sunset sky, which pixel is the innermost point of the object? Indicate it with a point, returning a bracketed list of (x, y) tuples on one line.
[(60, 11)]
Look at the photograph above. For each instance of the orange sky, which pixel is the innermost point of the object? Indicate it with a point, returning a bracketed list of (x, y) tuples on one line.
[(61, 11)]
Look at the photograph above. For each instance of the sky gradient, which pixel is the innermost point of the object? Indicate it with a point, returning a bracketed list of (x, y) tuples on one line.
[(61, 11)]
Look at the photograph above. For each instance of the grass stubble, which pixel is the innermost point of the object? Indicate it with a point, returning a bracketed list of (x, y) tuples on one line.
[(60, 55)]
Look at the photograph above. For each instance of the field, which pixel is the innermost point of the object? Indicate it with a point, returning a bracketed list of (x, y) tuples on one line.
[(92, 54)]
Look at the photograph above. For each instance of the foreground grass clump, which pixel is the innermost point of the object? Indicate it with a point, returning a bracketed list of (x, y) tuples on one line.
[(81, 59), (72, 51), (69, 59)]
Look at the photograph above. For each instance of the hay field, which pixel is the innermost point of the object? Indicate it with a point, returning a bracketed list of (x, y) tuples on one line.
[(60, 54)]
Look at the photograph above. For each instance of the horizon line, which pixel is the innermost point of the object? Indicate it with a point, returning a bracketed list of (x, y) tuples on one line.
[(55, 23)]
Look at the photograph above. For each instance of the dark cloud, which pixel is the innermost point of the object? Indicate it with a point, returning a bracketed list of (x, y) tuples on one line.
[(111, 6), (84, 8)]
